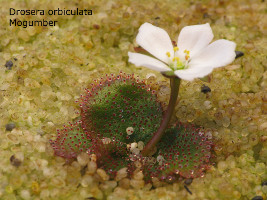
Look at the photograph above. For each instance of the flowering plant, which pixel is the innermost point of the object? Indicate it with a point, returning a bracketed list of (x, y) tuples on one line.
[(122, 121)]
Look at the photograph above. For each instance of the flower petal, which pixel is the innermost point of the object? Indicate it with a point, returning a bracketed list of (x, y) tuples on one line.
[(156, 41), (147, 61), (217, 54), (194, 39), (191, 73)]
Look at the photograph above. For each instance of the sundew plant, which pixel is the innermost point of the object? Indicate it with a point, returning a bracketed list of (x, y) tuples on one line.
[(123, 125)]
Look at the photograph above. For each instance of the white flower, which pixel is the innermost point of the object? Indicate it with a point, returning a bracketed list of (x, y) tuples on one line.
[(194, 56)]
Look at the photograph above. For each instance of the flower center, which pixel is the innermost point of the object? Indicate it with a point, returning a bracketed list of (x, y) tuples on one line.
[(176, 63)]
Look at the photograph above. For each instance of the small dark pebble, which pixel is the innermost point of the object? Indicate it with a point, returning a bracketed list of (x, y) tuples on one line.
[(9, 65), (205, 89), (90, 198), (188, 181), (257, 198), (206, 15), (157, 18), (14, 161), (15, 59), (187, 189), (10, 126), (238, 54), (96, 26), (264, 183), (83, 171)]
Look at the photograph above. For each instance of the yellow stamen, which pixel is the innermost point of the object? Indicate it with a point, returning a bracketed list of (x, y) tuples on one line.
[(186, 52), (168, 54), (176, 59), (175, 49)]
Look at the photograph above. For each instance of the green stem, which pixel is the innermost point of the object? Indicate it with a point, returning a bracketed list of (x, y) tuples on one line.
[(175, 83)]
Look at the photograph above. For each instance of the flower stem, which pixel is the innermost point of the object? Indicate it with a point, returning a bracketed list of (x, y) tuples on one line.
[(175, 83)]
